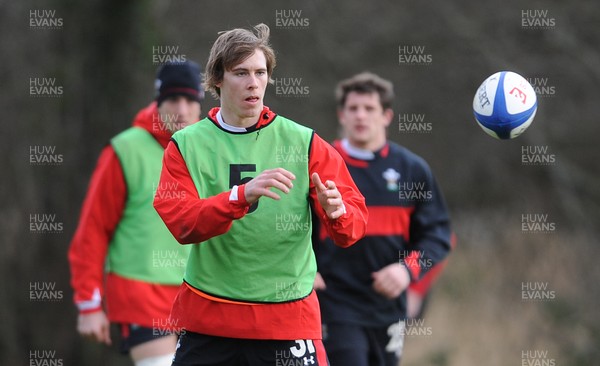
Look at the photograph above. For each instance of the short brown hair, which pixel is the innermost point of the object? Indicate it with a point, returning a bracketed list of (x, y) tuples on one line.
[(233, 47), (365, 83)]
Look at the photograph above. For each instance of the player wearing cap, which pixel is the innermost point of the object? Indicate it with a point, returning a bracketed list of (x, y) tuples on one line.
[(250, 179), (362, 289), (122, 254)]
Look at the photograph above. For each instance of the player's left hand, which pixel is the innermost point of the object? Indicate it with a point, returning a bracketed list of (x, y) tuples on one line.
[(391, 280), (329, 197)]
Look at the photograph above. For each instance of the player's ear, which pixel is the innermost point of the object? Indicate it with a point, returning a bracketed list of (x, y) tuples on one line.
[(219, 82), (388, 115)]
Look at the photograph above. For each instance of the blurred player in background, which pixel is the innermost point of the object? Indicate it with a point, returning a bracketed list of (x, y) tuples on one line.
[(122, 252), (250, 179), (362, 289)]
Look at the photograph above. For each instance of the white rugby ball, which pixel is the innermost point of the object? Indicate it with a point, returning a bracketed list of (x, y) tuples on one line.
[(505, 105)]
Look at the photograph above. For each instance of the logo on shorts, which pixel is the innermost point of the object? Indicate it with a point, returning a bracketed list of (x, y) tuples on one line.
[(303, 354)]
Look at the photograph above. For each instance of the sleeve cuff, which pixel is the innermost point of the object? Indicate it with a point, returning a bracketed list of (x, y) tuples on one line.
[(238, 195), (237, 199), (92, 305), (233, 196), (412, 265)]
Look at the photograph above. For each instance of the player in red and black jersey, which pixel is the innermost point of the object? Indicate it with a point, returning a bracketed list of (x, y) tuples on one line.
[(362, 288)]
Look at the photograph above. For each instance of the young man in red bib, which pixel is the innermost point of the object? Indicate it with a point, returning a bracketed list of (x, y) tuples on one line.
[(251, 178)]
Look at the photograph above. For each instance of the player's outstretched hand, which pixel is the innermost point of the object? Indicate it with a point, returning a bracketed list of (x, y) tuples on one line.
[(391, 280), (94, 326), (329, 197), (274, 178)]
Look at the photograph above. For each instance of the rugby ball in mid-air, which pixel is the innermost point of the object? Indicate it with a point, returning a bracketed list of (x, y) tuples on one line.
[(504, 105)]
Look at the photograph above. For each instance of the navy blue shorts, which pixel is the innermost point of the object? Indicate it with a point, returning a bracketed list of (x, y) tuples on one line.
[(203, 350), (133, 335), (355, 345)]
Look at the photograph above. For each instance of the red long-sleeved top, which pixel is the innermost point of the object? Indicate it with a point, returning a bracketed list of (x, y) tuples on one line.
[(195, 219), (127, 300)]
